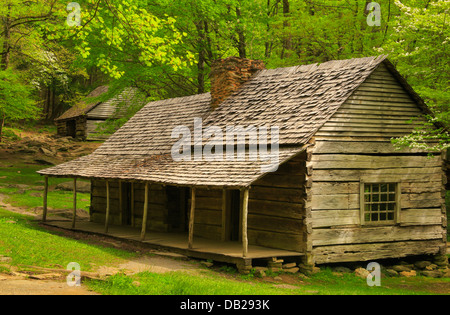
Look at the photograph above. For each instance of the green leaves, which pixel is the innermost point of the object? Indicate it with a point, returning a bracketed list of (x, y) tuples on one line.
[(121, 37), (15, 98)]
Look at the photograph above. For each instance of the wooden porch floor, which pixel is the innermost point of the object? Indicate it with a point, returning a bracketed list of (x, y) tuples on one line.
[(222, 251)]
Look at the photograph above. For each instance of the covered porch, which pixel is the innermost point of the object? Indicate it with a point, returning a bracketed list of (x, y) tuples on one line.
[(220, 251), (237, 251)]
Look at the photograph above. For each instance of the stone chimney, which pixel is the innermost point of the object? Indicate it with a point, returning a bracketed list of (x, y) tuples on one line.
[(227, 76)]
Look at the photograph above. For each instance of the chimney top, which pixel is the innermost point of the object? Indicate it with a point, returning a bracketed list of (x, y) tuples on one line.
[(227, 75)]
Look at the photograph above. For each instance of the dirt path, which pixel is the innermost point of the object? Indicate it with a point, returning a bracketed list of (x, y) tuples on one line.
[(17, 283), (20, 285), (54, 283)]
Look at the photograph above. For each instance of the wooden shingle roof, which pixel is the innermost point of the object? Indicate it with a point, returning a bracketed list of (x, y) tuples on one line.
[(83, 107), (99, 110), (298, 100)]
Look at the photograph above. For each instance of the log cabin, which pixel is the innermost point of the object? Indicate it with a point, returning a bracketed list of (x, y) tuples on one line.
[(81, 120), (341, 191)]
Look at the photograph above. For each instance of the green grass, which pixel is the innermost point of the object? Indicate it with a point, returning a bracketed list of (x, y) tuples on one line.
[(212, 283), (32, 197), (29, 244), (25, 174)]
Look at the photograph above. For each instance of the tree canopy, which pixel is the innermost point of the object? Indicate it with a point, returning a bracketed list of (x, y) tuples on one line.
[(165, 48)]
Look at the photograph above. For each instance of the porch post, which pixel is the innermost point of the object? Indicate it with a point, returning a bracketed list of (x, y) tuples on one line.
[(224, 214), (132, 204), (191, 218), (107, 207), (74, 202), (120, 203), (44, 211), (244, 223), (144, 217)]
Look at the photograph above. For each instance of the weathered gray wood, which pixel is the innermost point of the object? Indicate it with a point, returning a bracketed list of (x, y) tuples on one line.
[(145, 214), (334, 188), (377, 111), (338, 236), (420, 216), (44, 210), (372, 104), (207, 216), (350, 124), (394, 174), (424, 200), (207, 231), (224, 215), (334, 161), (74, 215), (120, 202), (372, 118), (366, 147), (293, 195), (382, 95), (274, 208), (107, 207), (191, 219), (334, 202), (275, 224), (335, 218), (363, 133), (244, 223), (380, 88), (365, 252), (293, 242), (277, 180), (132, 205)]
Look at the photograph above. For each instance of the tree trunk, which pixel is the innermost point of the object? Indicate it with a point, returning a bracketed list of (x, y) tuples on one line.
[(201, 58), (6, 40), (287, 37), (241, 45), (2, 124)]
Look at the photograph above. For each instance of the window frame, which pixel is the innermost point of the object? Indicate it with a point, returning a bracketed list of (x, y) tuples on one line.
[(397, 208)]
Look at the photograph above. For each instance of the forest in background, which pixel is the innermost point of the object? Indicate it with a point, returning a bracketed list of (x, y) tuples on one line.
[(52, 53)]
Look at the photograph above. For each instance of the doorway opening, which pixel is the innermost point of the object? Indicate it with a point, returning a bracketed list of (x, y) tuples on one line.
[(71, 128), (177, 206)]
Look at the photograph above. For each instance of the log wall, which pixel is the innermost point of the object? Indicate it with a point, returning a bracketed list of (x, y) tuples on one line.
[(208, 213), (80, 127), (157, 209), (276, 207), (353, 147)]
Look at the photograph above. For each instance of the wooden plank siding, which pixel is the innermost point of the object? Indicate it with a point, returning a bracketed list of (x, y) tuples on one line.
[(208, 213), (354, 146), (276, 207), (157, 210)]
